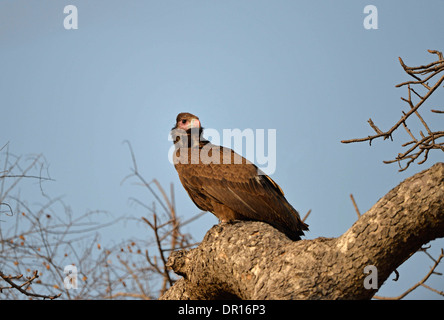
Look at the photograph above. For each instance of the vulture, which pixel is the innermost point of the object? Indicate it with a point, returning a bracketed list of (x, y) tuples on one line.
[(226, 184)]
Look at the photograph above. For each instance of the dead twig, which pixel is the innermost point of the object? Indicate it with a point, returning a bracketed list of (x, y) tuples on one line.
[(427, 142), (23, 288), (355, 205), (420, 283)]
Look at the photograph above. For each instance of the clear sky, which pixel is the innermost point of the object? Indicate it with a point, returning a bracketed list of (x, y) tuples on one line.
[(308, 69)]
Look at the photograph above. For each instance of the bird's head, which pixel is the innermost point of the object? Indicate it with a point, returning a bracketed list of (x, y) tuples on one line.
[(187, 130), (186, 121)]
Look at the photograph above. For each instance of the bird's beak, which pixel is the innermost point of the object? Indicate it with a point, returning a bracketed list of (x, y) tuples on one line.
[(195, 123)]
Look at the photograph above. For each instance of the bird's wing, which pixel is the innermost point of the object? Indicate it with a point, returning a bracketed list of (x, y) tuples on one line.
[(194, 192), (239, 187)]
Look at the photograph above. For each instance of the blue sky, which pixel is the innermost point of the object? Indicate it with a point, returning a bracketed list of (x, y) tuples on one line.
[(308, 69)]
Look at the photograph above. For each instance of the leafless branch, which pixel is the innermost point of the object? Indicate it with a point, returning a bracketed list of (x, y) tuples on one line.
[(165, 227), (23, 288), (355, 205), (420, 283), (422, 146), (306, 215)]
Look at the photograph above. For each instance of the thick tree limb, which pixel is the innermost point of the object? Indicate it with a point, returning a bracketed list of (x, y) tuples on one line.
[(252, 260)]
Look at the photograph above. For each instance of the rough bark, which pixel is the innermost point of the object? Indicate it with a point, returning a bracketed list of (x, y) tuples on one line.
[(252, 260)]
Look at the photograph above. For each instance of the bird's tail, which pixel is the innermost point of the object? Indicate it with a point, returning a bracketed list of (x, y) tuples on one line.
[(296, 226)]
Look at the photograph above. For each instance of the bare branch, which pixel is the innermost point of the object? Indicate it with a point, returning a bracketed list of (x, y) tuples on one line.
[(306, 215), (429, 141), (355, 205), (23, 287), (420, 283)]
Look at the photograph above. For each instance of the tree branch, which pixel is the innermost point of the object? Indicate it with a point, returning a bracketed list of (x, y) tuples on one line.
[(23, 287), (252, 260), (420, 283), (429, 142)]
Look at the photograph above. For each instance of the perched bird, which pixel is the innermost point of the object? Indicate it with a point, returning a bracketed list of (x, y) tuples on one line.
[(226, 184)]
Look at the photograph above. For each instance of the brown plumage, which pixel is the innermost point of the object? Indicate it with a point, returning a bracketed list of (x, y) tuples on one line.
[(226, 184)]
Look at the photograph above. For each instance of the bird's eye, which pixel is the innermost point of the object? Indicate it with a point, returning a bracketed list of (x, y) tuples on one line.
[(184, 121)]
